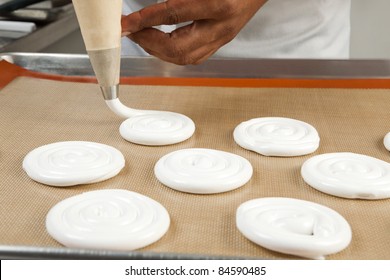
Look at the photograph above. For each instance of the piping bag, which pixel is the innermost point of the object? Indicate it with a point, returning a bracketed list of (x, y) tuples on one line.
[(100, 24)]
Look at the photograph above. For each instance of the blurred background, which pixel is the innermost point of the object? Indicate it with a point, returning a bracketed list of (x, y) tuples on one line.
[(51, 27)]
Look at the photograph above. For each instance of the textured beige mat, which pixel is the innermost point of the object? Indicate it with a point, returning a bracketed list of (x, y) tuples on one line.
[(35, 112)]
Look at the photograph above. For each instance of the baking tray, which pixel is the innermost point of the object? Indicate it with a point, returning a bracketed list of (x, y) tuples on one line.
[(78, 65)]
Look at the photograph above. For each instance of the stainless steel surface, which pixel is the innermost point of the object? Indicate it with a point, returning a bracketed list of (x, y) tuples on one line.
[(110, 93), (25, 252), (12, 5), (65, 23), (79, 65), (34, 15)]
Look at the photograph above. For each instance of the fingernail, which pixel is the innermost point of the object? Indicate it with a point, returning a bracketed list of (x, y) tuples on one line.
[(127, 33)]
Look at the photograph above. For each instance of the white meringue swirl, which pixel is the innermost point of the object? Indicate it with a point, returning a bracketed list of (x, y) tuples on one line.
[(157, 128), (273, 136), (348, 175), (293, 226), (73, 163), (203, 171), (108, 219)]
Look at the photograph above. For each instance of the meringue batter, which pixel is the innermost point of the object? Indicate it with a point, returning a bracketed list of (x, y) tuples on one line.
[(386, 141), (203, 171), (348, 175), (109, 219), (157, 128), (293, 226), (273, 136), (72, 163)]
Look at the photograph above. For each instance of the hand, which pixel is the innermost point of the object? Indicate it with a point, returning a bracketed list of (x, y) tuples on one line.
[(214, 24)]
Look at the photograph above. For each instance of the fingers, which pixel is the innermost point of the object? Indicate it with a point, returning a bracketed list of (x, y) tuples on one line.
[(168, 13), (196, 57), (214, 23), (187, 45)]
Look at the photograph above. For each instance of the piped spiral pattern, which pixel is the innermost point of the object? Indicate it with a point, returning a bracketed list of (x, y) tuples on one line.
[(273, 136), (348, 175), (110, 219), (293, 226), (203, 171), (73, 163), (157, 128)]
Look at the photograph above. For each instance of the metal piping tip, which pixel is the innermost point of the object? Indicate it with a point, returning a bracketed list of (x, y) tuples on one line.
[(110, 92)]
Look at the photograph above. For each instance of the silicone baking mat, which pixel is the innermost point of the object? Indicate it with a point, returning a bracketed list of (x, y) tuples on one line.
[(35, 112)]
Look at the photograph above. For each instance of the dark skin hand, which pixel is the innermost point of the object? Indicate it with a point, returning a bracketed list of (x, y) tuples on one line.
[(214, 24)]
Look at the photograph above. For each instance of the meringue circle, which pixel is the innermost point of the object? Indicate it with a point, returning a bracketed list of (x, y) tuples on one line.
[(203, 171), (386, 141), (293, 226), (157, 128), (111, 219), (72, 163), (348, 175), (275, 136)]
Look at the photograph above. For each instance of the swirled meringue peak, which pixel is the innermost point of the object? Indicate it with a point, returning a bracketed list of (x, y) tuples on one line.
[(109, 219), (157, 128), (274, 136), (348, 175), (72, 163), (203, 171), (293, 226)]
